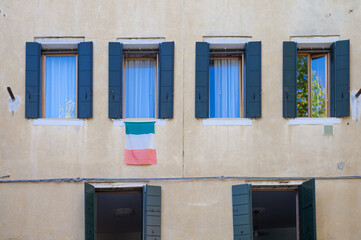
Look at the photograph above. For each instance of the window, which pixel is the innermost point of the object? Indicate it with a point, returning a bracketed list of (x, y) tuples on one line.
[(316, 82), (312, 85), (59, 86), (132, 213), (147, 89), (140, 87), (274, 213), (225, 87), (59, 79), (228, 81)]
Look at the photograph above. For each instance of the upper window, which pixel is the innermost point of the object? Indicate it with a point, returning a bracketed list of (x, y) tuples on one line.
[(225, 87), (228, 81), (140, 87), (141, 80), (312, 85), (59, 86), (316, 80), (59, 79)]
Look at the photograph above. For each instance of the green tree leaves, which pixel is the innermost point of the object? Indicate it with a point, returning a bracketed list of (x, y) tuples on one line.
[(318, 96)]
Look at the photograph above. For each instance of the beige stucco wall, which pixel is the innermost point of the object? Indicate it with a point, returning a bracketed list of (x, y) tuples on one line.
[(270, 147), (190, 210), (185, 148)]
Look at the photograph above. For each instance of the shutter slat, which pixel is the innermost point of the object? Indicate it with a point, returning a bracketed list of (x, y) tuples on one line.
[(33, 80), (166, 80), (115, 80), (89, 211), (242, 211), (289, 79), (340, 79), (253, 91), (151, 212), (85, 80), (307, 210), (202, 80)]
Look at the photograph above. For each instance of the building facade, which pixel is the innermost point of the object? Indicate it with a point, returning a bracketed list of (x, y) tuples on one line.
[(260, 172)]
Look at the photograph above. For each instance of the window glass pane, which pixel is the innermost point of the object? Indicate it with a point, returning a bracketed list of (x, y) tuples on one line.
[(140, 88), (224, 88), (318, 87), (60, 87), (302, 86)]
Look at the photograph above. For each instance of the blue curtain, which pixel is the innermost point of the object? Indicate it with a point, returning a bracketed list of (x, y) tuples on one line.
[(224, 88), (60, 87), (140, 88)]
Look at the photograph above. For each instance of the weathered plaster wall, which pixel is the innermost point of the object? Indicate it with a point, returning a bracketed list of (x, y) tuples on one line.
[(185, 147), (270, 147), (190, 210)]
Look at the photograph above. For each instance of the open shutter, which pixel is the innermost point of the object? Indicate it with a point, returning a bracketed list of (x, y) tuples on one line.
[(307, 210), (89, 211), (151, 212), (289, 79), (340, 79), (202, 80), (85, 80), (242, 212), (115, 79), (166, 79), (33, 80), (253, 81)]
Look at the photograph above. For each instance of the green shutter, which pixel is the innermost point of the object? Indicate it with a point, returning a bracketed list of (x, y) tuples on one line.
[(307, 210), (289, 79), (151, 212), (85, 80), (115, 79), (340, 79), (33, 80), (202, 80), (166, 79), (89, 211), (242, 212), (253, 106)]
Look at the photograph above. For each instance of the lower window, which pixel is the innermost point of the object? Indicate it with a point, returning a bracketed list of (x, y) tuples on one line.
[(274, 213), (122, 213), (59, 86), (312, 85)]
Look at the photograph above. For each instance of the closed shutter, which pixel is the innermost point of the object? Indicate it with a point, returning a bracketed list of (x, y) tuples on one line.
[(340, 79), (115, 80), (166, 79), (33, 80), (307, 210), (289, 79), (202, 80), (151, 212), (89, 211), (85, 80), (242, 212), (253, 99)]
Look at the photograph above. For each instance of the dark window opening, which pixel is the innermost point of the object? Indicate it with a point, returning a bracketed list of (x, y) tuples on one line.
[(119, 214), (274, 215)]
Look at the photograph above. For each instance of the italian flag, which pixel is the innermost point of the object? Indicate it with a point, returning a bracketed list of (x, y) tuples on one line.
[(140, 143)]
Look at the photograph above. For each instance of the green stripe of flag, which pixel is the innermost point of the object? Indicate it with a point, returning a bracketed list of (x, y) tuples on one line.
[(137, 128)]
